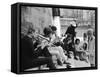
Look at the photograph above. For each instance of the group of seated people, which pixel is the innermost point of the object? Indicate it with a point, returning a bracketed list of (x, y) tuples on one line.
[(37, 50), (86, 47)]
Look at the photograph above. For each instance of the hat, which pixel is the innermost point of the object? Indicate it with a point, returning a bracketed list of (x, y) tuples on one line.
[(73, 23)]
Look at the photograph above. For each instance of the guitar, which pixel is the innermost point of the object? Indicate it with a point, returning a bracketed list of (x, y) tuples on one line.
[(47, 41)]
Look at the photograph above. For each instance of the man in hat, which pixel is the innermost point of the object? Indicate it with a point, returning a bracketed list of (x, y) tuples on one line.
[(30, 57), (71, 32)]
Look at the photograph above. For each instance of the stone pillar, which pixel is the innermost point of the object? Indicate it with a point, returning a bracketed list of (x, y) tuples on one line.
[(56, 20)]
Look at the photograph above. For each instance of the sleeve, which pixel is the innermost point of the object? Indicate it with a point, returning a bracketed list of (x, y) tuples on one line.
[(34, 52), (67, 31)]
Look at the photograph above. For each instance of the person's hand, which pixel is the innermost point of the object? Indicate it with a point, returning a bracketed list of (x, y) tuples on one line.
[(44, 43)]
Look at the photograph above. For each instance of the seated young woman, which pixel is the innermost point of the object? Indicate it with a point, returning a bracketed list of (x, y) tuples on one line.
[(81, 50), (78, 48), (85, 55)]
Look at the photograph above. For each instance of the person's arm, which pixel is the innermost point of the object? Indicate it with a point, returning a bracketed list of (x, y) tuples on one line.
[(78, 48), (35, 51), (93, 46), (67, 31)]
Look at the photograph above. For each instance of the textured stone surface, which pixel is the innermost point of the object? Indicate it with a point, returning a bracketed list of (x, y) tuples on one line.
[(35, 17)]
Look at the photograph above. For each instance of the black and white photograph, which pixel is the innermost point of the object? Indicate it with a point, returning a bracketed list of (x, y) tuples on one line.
[(57, 38)]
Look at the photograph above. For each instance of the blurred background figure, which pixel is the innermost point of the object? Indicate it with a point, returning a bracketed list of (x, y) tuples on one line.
[(85, 38), (91, 47)]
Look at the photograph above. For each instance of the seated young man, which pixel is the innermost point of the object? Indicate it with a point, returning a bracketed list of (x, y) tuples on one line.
[(56, 38), (53, 49), (30, 57)]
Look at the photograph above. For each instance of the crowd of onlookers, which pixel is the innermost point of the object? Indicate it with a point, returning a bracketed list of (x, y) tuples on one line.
[(49, 49)]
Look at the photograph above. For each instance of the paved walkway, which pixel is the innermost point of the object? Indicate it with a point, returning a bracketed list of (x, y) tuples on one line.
[(78, 63), (74, 64)]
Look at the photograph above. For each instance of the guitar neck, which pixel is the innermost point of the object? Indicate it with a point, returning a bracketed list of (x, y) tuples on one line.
[(41, 36)]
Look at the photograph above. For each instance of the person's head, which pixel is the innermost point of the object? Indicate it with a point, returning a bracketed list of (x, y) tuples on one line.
[(48, 32), (77, 41), (85, 46), (53, 28), (90, 32), (84, 36), (30, 31)]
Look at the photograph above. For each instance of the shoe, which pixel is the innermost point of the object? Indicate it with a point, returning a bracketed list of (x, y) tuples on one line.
[(68, 66), (59, 62), (66, 63), (75, 58)]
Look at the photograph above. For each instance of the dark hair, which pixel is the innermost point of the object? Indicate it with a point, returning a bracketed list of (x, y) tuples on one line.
[(84, 35), (30, 30), (53, 28), (85, 47), (47, 31), (77, 40)]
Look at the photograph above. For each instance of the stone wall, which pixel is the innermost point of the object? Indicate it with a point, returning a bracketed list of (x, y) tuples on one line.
[(83, 17), (36, 18)]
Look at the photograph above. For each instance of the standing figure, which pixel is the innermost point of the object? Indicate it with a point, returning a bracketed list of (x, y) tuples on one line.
[(91, 47), (71, 32)]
